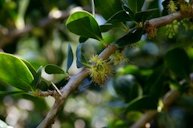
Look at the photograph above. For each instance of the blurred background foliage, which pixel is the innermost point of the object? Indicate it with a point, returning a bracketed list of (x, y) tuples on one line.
[(153, 67)]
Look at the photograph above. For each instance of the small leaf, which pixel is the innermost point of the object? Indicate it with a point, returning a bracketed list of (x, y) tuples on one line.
[(131, 37), (53, 69), (84, 24), (70, 57), (178, 61), (142, 103), (14, 72)]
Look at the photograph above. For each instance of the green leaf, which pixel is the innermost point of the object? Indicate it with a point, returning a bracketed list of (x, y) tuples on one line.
[(82, 39), (30, 67), (84, 24), (14, 72), (135, 5), (53, 69), (131, 37), (142, 103), (106, 27), (146, 15), (37, 77), (70, 57), (120, 16), (4, 93), (178, 61), (108, 7)]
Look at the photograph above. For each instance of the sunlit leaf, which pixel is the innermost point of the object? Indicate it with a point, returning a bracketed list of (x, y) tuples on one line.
[(14, 72), (84, 24)]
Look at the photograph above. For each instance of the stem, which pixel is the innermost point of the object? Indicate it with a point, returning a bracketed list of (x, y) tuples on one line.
[(93, 7)]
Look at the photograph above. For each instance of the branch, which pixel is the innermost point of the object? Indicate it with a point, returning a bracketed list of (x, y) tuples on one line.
[(168, 100), (164, 20), (73, 83)]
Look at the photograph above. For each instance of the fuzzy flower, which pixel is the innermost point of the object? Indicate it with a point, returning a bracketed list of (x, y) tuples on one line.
[(100, 70), (118, 58), (172, 6)]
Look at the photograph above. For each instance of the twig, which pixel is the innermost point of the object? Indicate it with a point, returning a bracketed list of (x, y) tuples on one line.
[(164, 20), (168, 100), (46, 93)]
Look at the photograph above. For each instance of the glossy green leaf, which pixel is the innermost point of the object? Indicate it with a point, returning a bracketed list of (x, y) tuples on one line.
[(178, 61), (135, 5), (53, 69), (142, 103), (84, 24), (70, 57), (14, 72), (131, 37)]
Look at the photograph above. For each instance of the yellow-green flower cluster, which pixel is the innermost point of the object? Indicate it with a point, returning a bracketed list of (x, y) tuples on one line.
[(118, 58), (100, 70), (172, 29), (172, 7)]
